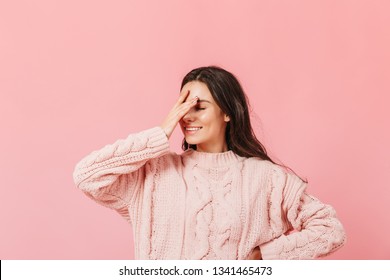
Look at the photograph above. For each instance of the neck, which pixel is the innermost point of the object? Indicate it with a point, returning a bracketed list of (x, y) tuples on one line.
[(212, 148), (212, 160)]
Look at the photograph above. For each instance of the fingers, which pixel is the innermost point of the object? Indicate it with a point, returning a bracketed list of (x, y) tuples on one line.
[(182, 97), (188, 104), (185, 107), (181, 108)]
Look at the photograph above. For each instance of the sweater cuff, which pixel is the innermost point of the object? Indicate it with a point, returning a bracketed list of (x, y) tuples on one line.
[(269, 251), (157, 141)]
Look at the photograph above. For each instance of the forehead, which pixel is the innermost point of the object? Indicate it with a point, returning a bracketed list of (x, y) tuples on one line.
[(199, 89)]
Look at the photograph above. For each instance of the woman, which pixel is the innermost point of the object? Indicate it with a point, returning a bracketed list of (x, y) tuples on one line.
[(222, 198)]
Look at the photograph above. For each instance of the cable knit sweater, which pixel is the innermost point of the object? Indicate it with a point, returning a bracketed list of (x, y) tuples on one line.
[(200, 205)]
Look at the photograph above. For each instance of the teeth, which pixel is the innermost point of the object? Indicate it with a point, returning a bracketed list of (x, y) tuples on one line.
[(193, 128)]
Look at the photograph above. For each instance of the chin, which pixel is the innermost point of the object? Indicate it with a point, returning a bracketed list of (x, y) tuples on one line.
[(191, 142)]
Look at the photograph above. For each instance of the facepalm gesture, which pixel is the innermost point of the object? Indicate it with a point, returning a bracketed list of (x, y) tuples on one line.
[(179, 110)]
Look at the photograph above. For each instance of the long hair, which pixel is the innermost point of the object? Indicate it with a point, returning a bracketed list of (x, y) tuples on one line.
[(230, 97)]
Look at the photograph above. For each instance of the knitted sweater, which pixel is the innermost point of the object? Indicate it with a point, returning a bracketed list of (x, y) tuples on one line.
[(200, 205)]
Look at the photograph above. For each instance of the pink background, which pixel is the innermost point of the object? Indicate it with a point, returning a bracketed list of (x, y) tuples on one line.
[(77, 75)]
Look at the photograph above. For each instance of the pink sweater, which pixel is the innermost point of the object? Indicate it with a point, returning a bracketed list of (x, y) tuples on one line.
[(207, 205)]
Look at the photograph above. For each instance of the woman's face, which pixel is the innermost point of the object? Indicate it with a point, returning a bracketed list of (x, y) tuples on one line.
[(205, 124)]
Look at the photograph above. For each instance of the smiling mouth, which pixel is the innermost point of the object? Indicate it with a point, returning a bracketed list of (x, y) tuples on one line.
[(192, 128)]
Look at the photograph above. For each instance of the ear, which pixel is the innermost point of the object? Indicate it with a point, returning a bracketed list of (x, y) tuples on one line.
[(226, 118)]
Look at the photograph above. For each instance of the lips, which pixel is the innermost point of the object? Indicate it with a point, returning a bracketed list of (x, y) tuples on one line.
[(192, 128)]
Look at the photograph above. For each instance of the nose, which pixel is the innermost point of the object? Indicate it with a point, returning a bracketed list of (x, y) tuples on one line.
[(189, 117)]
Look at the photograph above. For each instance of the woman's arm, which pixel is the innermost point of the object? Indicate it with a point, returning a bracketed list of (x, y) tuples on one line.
[(316, 230), (113, 175)]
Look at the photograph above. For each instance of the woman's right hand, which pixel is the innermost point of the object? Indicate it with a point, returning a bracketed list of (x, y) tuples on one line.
[(179, 110)]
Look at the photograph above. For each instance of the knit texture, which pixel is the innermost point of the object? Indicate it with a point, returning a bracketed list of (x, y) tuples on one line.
[(200, 205)]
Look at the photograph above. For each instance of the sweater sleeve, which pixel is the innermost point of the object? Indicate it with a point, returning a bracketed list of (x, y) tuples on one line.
[(114, 174), (313, 229)]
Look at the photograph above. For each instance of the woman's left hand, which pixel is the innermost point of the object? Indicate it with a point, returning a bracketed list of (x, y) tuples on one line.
[(255, 254)]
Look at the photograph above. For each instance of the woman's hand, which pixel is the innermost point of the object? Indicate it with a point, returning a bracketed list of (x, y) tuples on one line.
[(255, 254), (177, 112)]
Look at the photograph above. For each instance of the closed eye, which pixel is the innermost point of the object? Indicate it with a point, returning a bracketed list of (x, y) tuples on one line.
[(197, 108)]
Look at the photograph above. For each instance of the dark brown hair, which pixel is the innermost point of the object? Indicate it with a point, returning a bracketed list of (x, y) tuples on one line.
[(230, 97)]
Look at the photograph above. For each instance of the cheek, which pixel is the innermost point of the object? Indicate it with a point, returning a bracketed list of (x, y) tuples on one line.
[(203, 118), (211, 119), (207, 117)]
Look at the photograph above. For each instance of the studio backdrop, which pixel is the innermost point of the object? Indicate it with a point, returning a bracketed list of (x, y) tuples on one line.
[(78, 75)]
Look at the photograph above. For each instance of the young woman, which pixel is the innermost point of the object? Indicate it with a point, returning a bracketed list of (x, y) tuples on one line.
[(222, 198)]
